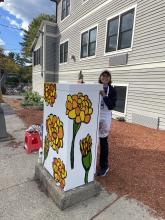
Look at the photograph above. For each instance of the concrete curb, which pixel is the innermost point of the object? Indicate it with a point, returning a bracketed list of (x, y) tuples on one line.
[(65, 199)]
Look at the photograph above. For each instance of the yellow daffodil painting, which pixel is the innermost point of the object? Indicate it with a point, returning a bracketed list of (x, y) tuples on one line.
[(79, 109), (85, 148), (55, 132), (50, 93), (59, 171)]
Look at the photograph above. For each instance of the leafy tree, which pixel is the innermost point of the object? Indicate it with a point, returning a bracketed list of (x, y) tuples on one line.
[(11, 55), (7, 63), (30, 35)]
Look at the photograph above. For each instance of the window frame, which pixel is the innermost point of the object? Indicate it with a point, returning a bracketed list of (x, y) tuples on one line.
[(63, 43), (37, 57), (118, 51), (95, 26), (63, 18), (117, 113)]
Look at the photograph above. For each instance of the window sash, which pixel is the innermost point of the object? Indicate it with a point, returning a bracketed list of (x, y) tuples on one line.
[(121, 98), (37, 57), (127, 30), (121, 38), (64, 52), (88, 43), (65, 8)]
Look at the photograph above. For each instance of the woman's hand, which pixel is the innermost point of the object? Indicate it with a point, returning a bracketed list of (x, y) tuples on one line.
[(102, 93)]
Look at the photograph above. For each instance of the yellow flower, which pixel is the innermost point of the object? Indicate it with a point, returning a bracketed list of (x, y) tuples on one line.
[(55, 132), (50, 93), (59, 171), (85, 145), (79, 108)]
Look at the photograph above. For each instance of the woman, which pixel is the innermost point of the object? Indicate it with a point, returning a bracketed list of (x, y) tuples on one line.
[(108, 101)]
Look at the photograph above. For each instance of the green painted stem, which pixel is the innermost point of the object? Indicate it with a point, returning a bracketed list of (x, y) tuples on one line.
[(72, 152), (75, 130), (86, 177)]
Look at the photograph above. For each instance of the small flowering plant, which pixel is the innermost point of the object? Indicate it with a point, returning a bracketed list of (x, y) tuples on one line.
[(50, 93), (55, 132), (85, 148), (59, 171), (79, 109)]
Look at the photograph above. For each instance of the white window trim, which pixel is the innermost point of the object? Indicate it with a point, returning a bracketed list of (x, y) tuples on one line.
[(62, 42), (61, 12), (133, 30), (84, 30), (120, 114)]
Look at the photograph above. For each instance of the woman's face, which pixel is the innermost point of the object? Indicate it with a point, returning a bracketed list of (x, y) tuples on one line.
[(105, 79)]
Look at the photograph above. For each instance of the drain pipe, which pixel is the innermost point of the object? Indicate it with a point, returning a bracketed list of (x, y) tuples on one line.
[(56, 1)]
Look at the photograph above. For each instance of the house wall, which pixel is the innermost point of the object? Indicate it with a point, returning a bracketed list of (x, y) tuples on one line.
[(144, 72), (48, 70), (37, 78), (52, 42)]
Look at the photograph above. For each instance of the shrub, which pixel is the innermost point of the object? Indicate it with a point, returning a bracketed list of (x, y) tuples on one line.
[(32, 99)]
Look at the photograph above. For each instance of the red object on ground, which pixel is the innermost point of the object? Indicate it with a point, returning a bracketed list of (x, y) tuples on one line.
[(32, 141)]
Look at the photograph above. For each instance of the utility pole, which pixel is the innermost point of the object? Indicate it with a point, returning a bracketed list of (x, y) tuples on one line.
[(3, 132)]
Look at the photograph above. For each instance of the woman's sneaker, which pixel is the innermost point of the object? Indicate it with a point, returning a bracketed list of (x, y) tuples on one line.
[(103, 172)]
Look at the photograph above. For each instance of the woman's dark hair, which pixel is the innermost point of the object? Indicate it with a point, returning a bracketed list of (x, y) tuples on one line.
[(108, 74)]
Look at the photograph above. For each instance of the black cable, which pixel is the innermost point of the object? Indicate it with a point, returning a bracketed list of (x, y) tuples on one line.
[(20, 29)]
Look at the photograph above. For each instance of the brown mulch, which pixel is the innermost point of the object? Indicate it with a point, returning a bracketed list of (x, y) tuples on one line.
[(29, 116), (136, 158), (137, 164)]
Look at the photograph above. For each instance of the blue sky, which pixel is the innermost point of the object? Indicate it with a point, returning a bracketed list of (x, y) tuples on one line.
[(18, 14)]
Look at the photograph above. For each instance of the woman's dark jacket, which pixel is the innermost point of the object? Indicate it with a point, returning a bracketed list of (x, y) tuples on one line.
[(110, 100)]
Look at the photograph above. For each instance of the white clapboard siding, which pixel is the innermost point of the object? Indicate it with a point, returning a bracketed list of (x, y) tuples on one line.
[(146, 85)]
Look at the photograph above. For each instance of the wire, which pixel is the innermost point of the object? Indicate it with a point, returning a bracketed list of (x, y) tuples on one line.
[(20, 29)]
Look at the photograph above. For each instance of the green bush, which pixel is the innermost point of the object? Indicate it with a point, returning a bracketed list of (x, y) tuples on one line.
[(32, 99)]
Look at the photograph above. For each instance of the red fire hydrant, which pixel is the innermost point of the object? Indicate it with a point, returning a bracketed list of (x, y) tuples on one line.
[(32, 141)]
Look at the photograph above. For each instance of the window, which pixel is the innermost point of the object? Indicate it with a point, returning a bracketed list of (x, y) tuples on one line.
[(119, 31), (37, 57), (88, 43), (121, 91), (65, 8), (64, 52)]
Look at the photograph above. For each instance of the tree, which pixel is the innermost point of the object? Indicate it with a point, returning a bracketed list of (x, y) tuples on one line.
[(30, 35), (7, 62), (11, 55)]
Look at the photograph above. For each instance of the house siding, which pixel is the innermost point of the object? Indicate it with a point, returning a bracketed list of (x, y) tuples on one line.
[(37, 78), (145, 83), (49, 68)]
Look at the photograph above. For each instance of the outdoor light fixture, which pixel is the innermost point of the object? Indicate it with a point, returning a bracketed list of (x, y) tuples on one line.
[(73, 58)]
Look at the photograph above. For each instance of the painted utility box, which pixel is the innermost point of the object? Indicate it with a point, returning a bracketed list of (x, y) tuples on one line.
[(70, 132)]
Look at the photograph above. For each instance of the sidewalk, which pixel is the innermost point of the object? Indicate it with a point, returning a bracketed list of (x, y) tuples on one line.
[(21, 197)]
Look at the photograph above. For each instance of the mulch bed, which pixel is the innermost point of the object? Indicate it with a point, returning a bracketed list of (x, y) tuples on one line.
[(137, 164), (136, 158)]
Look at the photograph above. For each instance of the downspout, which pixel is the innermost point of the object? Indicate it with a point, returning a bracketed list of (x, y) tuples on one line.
[(42, 52), (56, 9)]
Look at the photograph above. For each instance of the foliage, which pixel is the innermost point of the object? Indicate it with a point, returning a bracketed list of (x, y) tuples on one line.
[(25, 74), (32, 99), (15, 64), (7, 63), (30, 34)]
